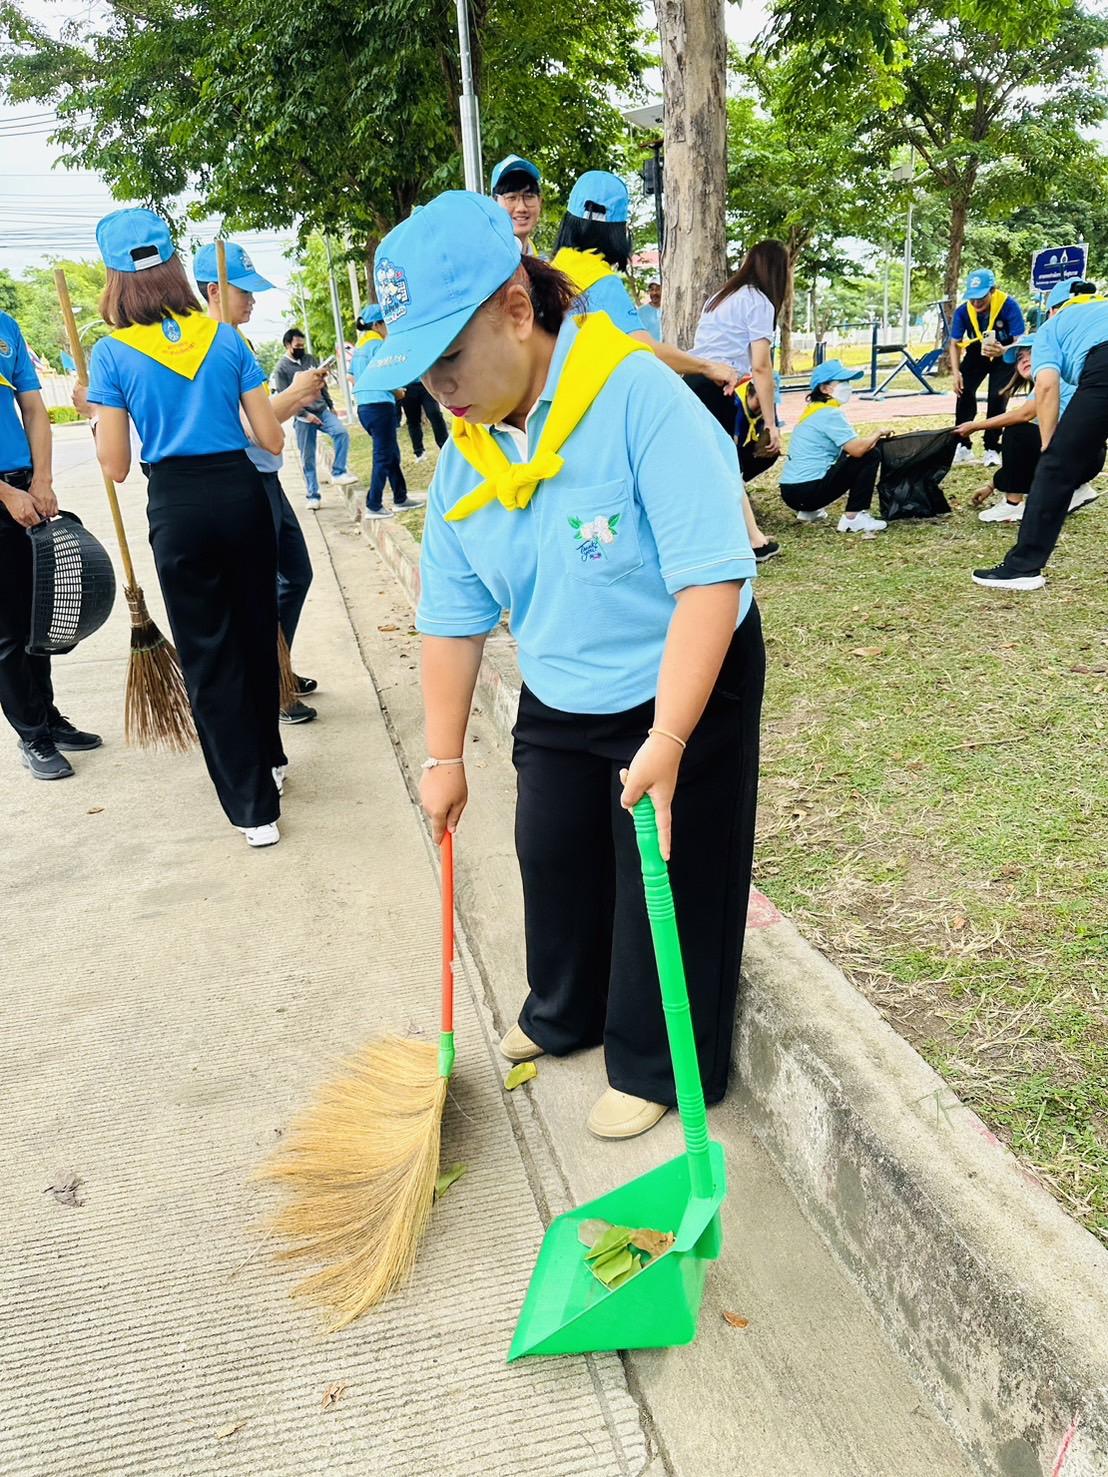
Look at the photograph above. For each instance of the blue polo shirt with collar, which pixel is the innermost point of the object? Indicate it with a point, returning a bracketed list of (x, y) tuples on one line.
[(648, 503), (1066, 339)]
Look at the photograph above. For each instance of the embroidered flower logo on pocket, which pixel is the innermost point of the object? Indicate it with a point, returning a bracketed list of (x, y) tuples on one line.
[(593, 536)]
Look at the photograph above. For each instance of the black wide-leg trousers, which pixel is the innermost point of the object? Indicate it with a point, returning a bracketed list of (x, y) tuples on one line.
[(215, 547), (590, 961), (26, 691)]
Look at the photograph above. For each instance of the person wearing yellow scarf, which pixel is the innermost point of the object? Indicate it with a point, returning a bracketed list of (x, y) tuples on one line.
[(827, 460), (584, 491), (980, 331)]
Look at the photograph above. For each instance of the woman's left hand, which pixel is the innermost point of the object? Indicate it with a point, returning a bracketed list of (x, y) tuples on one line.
[(653, 772)]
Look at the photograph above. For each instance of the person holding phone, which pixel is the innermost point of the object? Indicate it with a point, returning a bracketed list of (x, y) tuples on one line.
[(982, 328), (318, 416)]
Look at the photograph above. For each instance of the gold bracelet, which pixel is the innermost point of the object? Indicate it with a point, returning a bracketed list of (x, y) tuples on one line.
[(665, 733)]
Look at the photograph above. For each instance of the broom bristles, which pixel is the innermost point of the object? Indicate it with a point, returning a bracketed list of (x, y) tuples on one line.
[(289, 695), (361, 1166), (156, 711)]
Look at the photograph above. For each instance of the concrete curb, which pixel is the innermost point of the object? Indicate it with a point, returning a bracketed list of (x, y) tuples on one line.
[(994, 1295)]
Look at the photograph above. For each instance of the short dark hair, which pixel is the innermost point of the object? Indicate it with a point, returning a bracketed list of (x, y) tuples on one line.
[(148, 296), (517, 180), (203, 288), (291, 333), (552, 293), (612, 239)]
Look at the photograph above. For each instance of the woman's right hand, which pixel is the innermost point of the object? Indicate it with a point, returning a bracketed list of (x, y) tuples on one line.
[(968, 428), (726, 376), (443, 792), (956, 383)]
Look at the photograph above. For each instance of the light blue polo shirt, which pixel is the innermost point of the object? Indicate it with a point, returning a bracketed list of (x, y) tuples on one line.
[(815, 445), (650, 318), (1066, 392), (610, 296), (17, 369), (175, 416), (358, 361), (649, 502), (1065, 340)]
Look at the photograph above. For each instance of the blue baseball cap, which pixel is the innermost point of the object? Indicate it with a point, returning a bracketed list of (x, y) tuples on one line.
[(1061, 292), (131, 240), (830, 370), (370, 315), (240, 269), (979, 282), (599, 196), (1025, 341), (433, 271), (513, 164)]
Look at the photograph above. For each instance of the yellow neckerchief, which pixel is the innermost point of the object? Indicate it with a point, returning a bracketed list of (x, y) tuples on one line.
[(367, 338), (8, 383), (816, 407), (583, 268), (997, 300), (1081, 297), (752, 419), (597, 350), (185, 353)]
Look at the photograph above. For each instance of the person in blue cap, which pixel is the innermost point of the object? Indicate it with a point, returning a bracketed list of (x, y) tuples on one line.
[(184, 380), (516, 186), (26, 498), (827, 460), (650, 312), (585, 491), (1071, 348), (377, 414), (294, 565), (982, 327)]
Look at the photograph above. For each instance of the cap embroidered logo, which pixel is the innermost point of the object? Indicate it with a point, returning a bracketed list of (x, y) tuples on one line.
[(247, 263), (172, 330), (392, 290)]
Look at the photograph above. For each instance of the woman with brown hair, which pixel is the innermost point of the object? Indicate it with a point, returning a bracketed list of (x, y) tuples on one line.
[(737, 325), (183, 379)]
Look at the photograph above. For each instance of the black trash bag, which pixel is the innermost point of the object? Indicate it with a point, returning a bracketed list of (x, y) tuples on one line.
[(73, 585), (912, 470)]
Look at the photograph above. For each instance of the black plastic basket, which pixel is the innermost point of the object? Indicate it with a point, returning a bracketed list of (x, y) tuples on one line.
[(73, 586)]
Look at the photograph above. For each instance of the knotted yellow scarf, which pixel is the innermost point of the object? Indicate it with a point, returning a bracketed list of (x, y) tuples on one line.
[(583, 268), (741, 395), (183, 350), (996, 301), (598, 348), (816, 407), (1082, 297)]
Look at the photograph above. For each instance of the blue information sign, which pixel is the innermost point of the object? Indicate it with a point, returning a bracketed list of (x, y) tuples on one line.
[(1057, 264)]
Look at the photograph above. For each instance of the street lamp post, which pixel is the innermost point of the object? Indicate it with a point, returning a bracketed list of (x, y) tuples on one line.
[(906, 174), (340, 337), (471, 120)]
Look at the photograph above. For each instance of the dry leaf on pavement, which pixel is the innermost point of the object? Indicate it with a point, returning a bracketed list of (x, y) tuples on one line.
[(229, 1431), (735, 1321), (333, 1394), (388, 628)]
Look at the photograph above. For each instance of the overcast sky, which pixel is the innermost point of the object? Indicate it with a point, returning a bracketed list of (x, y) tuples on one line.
[(47, 211)]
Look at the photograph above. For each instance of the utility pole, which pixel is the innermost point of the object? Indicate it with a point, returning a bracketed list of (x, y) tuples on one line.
[(471, 121), (340, 337)]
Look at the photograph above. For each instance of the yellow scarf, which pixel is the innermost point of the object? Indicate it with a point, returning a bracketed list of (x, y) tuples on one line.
[(1082, 297), (583, 268), (6, 382), (597, 350), (996, 302), (741, 395), (183, 351), (816, 407), (368, 338)]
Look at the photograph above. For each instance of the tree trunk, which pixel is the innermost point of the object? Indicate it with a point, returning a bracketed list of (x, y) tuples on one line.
[(694, 75), (953, 280), (793, 246)]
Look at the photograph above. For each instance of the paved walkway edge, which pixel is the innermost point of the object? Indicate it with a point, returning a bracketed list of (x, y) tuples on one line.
[(994, 1295)]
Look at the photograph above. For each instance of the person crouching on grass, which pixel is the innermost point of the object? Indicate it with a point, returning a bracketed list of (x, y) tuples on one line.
[(827, 460), (639, 642)]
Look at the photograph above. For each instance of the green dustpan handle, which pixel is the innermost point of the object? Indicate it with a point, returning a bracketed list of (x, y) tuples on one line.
[(675, 999)]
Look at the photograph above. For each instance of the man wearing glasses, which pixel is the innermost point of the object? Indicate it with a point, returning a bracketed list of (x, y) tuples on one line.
[(517, 187)]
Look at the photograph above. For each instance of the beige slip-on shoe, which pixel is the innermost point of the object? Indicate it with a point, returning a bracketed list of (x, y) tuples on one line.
[(618, 1115), (518, 1047)]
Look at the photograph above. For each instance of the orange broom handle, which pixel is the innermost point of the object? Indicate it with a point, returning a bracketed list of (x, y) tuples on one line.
[(76, 348), (447, 932), (224, 285)]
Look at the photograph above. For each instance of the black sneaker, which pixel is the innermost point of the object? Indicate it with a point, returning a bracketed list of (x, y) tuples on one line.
[(298, 713), (767, 551), (41, 757), (305, 684), (72, 739), (1002, 578)]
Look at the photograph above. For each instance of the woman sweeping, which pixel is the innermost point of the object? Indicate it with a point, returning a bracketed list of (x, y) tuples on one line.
[(827, 461), (182, 378), (639, 643)]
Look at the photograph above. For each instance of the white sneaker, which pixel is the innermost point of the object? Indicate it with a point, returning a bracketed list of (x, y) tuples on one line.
[(992, 458), (1086, 493), (344, 480), (279, 772), (861, 523), (1002, 512), (261, 835), (813, 515), (368, 513), (963, 457), (314, 504)]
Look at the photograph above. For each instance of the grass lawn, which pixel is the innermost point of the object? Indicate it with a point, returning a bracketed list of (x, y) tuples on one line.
[(934, 804)]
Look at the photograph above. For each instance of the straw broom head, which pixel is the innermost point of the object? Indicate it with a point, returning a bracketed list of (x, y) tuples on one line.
[(156, 712), (360, 1166)]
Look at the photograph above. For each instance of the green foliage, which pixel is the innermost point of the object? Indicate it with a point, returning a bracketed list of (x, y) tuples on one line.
[(9, 293), (309, 286), (39, 316), (62, 415), (268, 353)]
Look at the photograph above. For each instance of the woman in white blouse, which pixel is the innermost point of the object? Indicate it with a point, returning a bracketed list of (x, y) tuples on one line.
[(737, 325)]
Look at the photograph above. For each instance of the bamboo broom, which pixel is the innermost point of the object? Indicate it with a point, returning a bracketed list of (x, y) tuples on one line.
[(289, 694), (156, 712), (362, 1162)]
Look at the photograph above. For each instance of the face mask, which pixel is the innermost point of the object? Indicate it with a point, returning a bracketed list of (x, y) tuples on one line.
[(297, 353), (841, 391)]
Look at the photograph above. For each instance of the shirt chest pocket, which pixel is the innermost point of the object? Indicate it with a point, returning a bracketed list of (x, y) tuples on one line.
[(597, 531)]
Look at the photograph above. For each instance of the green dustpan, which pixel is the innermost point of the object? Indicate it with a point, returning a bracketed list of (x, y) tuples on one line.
[(567, 1310)]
